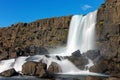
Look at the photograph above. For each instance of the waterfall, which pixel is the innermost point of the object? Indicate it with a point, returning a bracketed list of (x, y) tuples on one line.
[(81, 37), (82, 33)]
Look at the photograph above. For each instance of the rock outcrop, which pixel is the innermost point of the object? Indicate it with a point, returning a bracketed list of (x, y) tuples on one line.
[(78, 59), (35, 69), (9, 73), (25, 39), (28, 38), (39, 69), (54, 68), (108, 39)]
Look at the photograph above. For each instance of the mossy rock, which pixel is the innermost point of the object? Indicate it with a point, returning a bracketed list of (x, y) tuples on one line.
[(65, 34)]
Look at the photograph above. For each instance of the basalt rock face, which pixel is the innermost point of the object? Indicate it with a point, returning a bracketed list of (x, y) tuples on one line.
[(108, 29), (46, 33), (108, 37)]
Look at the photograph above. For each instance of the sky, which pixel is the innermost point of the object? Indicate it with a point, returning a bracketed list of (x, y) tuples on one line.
[(14, 11)]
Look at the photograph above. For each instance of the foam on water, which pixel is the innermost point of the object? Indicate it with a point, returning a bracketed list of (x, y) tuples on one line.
[(82, 33), (18, 63), (81, 36), (6, 64)]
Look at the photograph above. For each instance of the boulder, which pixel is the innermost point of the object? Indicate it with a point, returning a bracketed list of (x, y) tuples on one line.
[(29, 68), (100, 67), (41, 70), (34, 69), (76, 54), (78, 60), (93, 55), (9, 73), (54, 68), (59, 58)]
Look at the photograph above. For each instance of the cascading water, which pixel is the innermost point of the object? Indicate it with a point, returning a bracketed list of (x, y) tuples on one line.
[(81, 33), (81, 36)]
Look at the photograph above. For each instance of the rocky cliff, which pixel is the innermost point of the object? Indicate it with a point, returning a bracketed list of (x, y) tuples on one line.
[(29, 38), (108, 39), (44, 33)]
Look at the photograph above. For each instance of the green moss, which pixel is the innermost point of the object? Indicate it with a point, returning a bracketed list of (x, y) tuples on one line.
[(101, 23), (65, 34)]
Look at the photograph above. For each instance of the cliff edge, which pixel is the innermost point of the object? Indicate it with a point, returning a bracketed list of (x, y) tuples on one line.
[(108, 40), (25, 38)]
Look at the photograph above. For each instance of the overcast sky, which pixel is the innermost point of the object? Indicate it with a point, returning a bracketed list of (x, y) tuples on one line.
[(14, 11)]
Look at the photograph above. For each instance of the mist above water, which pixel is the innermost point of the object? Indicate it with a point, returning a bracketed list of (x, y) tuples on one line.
[(81, 37)]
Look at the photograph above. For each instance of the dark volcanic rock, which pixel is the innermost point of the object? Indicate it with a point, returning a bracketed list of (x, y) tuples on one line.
[(78, 60), (100, 67), (58, 57), (9, 73), (76, 53), (94, 55), (54, 68)]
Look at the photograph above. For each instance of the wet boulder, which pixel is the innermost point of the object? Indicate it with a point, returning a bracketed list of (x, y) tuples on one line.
[(29, 68), (59, 58), (34, 69), (76, 54), (93, 55), (9, 73), (100, 67), (54, 68), (78, 59), (41, 70)]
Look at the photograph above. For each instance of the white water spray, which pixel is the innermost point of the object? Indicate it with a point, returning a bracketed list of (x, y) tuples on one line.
[(81, 36), (82, 33)]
